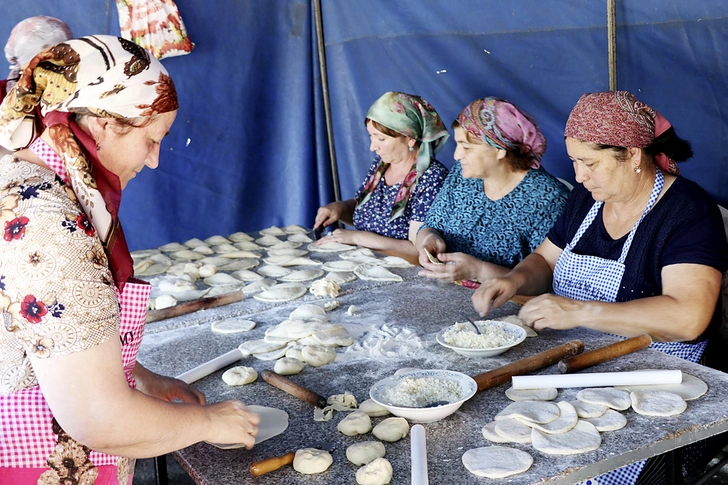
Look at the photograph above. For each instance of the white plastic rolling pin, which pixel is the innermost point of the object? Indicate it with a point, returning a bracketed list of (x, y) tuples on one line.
[(599, 379), (418, 451), (214, 365)]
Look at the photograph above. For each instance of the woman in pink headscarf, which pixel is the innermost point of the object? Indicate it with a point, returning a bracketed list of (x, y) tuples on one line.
[(497, 203), (637, 250)]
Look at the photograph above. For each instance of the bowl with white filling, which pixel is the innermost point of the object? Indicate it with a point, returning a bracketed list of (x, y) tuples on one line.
[(495, 338), (424, 396)]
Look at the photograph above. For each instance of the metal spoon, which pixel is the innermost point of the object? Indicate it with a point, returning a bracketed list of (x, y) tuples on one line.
[(477, 329)]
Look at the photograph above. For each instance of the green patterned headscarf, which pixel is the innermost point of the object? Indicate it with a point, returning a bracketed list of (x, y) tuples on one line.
[(410, 116)]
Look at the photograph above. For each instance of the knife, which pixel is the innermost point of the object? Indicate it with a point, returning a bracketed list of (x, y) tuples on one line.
[(274, 463)]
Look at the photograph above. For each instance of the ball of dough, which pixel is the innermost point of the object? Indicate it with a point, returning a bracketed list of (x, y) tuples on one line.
[(378, 472), (288, 366), (355, 423), (295, 353), (391, 429), (312, 460), (365, 452), (239, 376), (318, 355), (373, 409)]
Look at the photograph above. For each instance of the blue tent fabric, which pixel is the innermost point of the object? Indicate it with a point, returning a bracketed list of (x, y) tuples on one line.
[(249, 147)]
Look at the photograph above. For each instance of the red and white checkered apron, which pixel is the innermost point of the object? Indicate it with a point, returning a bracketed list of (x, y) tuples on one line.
[(26, 434)]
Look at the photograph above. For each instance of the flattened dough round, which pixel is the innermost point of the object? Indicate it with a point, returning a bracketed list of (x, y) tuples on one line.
[(545, 394), (581, 438), (490, 434), (566, 420), (657, 403), (533, 411), (609, 421), (239, 376), (232, 325), (281, 292), (587, 409), (496, 461), (513, 430), (609, 396), (273, 422), (690, 388)]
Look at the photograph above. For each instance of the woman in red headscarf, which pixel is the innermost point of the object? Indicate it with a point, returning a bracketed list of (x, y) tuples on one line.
[(75, 406), (638, 249)]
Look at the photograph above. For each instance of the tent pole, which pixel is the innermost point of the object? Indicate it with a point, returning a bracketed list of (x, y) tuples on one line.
[(612, 43), (327, 103)]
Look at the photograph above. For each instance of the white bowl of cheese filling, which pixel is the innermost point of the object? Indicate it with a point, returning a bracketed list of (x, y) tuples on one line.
[(424, 396), (496, 337)]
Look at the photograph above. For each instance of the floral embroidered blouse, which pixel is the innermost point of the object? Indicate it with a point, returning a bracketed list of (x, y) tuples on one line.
[(373, 216)]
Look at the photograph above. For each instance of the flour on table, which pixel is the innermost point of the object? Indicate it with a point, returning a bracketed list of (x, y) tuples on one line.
[(383, 341), (496, 461)]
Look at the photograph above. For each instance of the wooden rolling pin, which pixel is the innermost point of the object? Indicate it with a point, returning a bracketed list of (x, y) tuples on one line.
[(287, 385), (270, 464), (500, 375), (193, 306), (603, 354)]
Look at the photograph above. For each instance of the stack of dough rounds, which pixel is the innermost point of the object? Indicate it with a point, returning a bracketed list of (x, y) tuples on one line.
[(610, 397)]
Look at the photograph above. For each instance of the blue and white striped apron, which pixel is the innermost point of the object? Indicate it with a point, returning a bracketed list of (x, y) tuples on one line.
[(584, 277)]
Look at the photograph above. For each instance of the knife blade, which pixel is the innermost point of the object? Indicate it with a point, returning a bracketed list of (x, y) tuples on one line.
[(274, 463)]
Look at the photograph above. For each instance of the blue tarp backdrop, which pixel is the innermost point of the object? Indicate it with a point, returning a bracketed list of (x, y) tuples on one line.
[(249, 150)]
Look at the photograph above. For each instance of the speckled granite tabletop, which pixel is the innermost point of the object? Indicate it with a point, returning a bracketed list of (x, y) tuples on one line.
[(423, 307)]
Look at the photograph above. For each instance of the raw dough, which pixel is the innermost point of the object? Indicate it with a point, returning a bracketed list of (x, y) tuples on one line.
[(286, 245), (316, 355), (581, 438), (355, 423), (248, 246), (260, 346), (268, 241), (293, 253), (358, 253), (588, 410), (566, 420), (545, 394), (225, 249), (302, 238), (513, 430), (303, 275), (239, 264), (238, 254), (690, 388), (258, 286), (373, 409), (395, 262), (341, 277), (533, 411), (365, 452), (324, 287), (330, 247), (232, 325), (433, 258), (176, 286), (207, 270), (657, 403), (312, 460), (246, 275), (345, 266), (288, 366), (186, 255), (239, 236), (294, 229), (206, 250), (335, 337), (217, 240), (273, 231), (239, 376), (274, 271), (171, 247), (272, 354), (218, 261), (281, 292), (295, 353), (308, 311), (368, 271), (391, 429), (496, 461), (221, 279), (352, 311), (609, 421), (272, 423), (164, 301), (490, 434), (378, 472), (194, 242), (609, 396)]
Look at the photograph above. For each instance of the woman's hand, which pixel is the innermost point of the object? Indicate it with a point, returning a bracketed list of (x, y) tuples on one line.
[(231, 422), (329, 214), (165, 388), (551, 311), (458, 266), (343, 236), (429, 240), (493, 293)]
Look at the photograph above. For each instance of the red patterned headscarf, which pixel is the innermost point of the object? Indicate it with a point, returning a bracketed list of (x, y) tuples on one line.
[(102, 76), (619, 119)]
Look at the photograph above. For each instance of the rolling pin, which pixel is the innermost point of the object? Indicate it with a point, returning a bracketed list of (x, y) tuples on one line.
[(287, 385), (603, 354), (500, 375), (193, 306)]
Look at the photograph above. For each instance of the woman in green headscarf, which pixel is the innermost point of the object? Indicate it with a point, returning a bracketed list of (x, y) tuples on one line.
[(405, 132)]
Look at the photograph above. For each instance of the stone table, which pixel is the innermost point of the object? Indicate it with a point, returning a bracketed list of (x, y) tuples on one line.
[(405, 317)]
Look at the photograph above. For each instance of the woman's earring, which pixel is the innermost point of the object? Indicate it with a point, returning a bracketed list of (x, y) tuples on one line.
[(638, 169), (411, 149)]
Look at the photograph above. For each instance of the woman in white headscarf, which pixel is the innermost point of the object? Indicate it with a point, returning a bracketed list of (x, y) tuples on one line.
[(75, 406)]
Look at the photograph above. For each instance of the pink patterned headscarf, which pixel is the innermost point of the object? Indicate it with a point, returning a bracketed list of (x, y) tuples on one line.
[(619, 119), (28, 38), (500, 124)]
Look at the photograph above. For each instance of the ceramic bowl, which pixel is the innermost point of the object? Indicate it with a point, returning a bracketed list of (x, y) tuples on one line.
[(468, 387), (512, 329)]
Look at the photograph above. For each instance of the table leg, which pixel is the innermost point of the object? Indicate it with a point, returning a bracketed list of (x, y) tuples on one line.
[(673, 467), (160, 469)]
